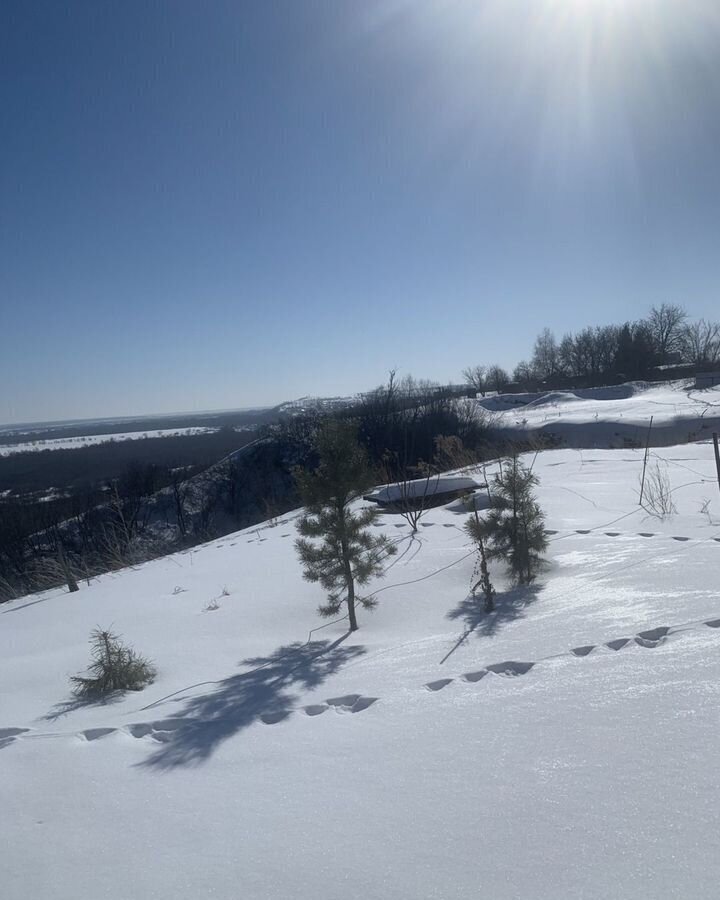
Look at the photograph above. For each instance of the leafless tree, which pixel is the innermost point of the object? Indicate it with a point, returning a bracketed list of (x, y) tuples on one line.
[(546, 355), (666, 327), (476, 378), (412, 487), (496, 378), (523, 373), (701, 343)]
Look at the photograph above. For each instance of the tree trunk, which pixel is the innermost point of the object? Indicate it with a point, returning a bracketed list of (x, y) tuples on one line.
[(351, 601), (67, 572), (349, 580)]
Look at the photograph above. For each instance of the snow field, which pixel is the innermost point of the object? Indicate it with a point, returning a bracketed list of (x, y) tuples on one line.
[(563, 747), (611, 417)]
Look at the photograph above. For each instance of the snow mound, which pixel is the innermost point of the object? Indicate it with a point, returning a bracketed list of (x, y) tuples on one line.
[(423, 487), (614, 391), (553, 398)]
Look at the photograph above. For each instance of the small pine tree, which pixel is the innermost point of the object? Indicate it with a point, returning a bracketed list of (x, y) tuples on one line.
[(515, 523), (347, 553), (478, 531), (114, 667)]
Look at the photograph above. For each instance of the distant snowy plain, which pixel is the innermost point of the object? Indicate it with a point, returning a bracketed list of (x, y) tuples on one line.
[(88, 440)]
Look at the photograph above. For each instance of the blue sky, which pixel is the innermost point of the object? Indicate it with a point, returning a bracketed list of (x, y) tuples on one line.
[(227, 204)]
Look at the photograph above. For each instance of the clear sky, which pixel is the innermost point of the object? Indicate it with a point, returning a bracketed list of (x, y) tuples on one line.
[(225, 204)]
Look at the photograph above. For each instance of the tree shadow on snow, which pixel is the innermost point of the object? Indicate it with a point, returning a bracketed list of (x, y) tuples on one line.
[(70, 705), (264, 693), (509, 606)]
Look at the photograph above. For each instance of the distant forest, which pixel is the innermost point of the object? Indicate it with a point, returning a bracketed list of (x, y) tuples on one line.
[(664, 343)]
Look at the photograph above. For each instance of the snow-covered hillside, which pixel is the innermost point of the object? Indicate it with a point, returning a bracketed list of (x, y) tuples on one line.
[(563, 746), (616, 416)]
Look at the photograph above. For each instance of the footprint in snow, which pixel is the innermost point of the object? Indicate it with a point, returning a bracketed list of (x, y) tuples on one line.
[(653, 637), (617, 644), (474, 677), (510, 669), (439, 684), (93, 734), (316, 709)]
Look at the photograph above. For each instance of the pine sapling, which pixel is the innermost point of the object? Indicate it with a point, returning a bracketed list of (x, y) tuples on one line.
[(477, 530), (114, 667), (515, 522), (337, 548)]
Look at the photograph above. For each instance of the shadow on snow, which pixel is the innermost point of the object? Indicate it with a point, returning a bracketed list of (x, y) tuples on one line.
[(267, 690), (509, 606)]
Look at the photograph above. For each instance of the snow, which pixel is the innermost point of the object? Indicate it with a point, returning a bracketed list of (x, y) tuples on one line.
[(610, 416), (423, 487), (435, 753), (88, 440)]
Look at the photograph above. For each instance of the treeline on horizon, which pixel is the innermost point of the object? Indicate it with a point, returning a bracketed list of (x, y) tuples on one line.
[(603, 354)]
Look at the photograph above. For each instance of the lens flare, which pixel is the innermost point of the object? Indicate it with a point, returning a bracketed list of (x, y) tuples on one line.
[(580, 83)]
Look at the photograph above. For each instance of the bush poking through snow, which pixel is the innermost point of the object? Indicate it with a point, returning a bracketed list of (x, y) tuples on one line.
[(114, 667), (657, 496)]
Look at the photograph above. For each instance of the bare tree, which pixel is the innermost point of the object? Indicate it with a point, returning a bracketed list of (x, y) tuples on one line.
[(523, 373), (666, 327), (411, 488), (496, 378), (701, 343), (546, 355), (476, 378)]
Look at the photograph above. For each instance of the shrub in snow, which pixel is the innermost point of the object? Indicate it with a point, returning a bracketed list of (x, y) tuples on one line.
[(114, 667), (413, 487), (478, 530), (337, 549), (657, 493), (515, 524)]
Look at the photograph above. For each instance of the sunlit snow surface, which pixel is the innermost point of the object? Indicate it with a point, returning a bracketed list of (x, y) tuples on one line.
[(564, 746), (617, 416)]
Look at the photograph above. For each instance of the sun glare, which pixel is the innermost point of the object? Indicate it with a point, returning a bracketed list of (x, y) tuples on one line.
[(575, 80)]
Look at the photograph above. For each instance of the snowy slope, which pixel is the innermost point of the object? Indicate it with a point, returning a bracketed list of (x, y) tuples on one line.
[(612, 416), (563, 747)]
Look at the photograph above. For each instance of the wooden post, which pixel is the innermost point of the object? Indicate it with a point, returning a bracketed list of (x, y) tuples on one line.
[(717, 455), (647, 448)]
